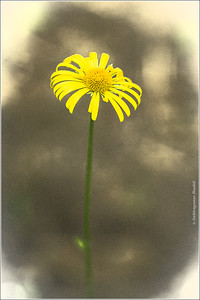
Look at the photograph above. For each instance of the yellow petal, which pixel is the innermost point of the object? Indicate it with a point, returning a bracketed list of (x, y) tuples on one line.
[(73, 76), (88, 63), (123, 105), (124, 95), (70, 89), (62, 78), (91, 104), (95, 105), (124, 88), (129, 84), (118, 110), (77, 58), (63, 86), (110, 68), (74, 56), (103, 61), (105, 98), (58, 86), (94, 59), (70, 104), (62, 72), (134, 85), (118, 72), (69, 66)]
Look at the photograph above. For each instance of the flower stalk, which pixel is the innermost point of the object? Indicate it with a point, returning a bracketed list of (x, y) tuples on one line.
[(87, 246), (87, 76)]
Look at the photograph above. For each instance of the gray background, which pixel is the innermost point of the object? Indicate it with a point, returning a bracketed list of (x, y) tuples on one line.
[(143, 168)]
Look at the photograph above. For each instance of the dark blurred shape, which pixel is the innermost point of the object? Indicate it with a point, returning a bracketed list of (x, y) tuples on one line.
[(143, 168)]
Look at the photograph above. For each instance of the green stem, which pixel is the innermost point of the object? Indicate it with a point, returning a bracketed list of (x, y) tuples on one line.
[(88, 260)]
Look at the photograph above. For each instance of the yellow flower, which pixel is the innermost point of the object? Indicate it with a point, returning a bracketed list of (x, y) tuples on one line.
[(85, 76)]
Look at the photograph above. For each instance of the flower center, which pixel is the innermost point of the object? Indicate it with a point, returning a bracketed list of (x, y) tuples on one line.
[(98, 80)]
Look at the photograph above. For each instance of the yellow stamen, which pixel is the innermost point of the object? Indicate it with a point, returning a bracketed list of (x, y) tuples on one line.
[(98, 80)]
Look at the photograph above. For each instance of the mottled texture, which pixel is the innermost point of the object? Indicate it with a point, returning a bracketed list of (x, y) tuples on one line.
[(143, 168)]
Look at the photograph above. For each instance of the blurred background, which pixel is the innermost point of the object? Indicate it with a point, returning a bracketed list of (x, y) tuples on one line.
[(144, 236)]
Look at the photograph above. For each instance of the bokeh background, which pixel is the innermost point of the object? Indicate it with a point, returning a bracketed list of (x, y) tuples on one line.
[(144, 242)]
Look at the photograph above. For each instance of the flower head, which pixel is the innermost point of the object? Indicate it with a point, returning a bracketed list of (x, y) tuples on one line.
[(86, 76)]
